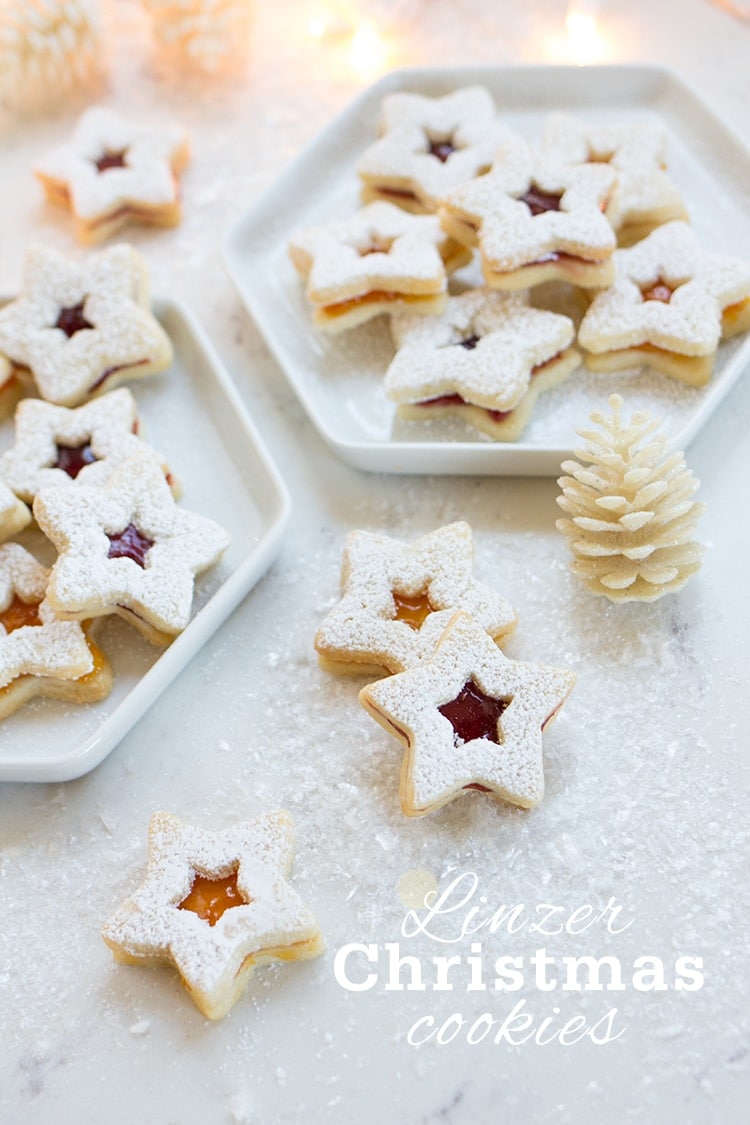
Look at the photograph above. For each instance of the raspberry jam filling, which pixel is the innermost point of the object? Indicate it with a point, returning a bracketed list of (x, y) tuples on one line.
[(442, 150), (412, 609), (210, 898), (71, 319), (129, 544), (469, 343), (72, 458), (456, 400), (539, 201), (18, 614), (472, 714), (659, 291), (111, 159)]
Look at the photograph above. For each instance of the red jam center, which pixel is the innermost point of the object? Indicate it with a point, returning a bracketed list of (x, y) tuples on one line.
[(469, 343), (539, 201), (71, 320), (472, 714), (412, 609), (129, 544), (659, 291), (442, 150), (111, 159), (210, 898), (18, 614), (72, 458)]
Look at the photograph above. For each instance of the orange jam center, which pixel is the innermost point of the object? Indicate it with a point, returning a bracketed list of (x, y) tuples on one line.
[(659, 291), (209, 898), (19, 614), (412, 609)]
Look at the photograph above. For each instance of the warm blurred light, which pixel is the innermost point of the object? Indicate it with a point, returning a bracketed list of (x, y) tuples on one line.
[(368, 51), (585, 43)]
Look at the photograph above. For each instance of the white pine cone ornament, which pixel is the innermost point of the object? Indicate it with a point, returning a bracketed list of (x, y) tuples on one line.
[(207, 35), (632, 516), (47, 48)]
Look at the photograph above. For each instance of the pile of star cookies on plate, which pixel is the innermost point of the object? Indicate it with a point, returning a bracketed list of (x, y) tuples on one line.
[(448, 183), (79, 467)]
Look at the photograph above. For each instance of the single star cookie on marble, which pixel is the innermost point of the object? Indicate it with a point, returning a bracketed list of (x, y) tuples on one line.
[(430, 145), (469, 718), (40, 655), (379, 260), (535, 220), (114, 172), (644, 195), (57, 446), (127, 548), (81, 327), (391, 588), (486, 359), (668, 307), (216, 905)]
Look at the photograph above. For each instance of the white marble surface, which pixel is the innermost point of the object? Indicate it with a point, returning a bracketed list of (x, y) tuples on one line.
[(645, 767)]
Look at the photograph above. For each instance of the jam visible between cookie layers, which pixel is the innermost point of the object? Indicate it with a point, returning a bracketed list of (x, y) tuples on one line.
[(130, 543), (412, 609), (71, 319), (18, 614), (539, 201), (472, 714), (210, 898), (72, 458), (111, 159), (659, 291)]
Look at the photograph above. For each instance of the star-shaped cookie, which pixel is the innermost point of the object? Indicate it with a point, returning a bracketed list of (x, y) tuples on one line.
[(430, 145), (378, 260), (127, 548), (81, 327), (215, 905), (485, 358), (391, 588), (57, 446), (644, 195), (669, 306), (469, 718), (41, 655), (114, 172), (535, 220)]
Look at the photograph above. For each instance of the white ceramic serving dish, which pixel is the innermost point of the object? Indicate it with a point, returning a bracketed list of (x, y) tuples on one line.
[(339, 379)]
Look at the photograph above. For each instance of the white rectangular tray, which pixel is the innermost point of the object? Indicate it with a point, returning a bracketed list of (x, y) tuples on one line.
[(193, 416), (339, 379)]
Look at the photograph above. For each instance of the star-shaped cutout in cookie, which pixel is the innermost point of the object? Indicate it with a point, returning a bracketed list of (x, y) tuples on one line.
[(644, 196), (82, 327), (479, 359), (57, 446), (669, 306), (430, 145), (378, 260), (535, 220), (126, 547), (114, 172), (391, 588), (40, 655), (469, 718), (216, 905)]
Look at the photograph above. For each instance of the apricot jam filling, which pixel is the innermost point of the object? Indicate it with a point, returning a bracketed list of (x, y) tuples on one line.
[(412, 609), (71, 319), (210, 898), (72, 458), (129, 543), (472, 714), (19, 614)]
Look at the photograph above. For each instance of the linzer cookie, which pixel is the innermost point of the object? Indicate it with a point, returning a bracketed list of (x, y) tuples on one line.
[(669, 306), (114, 172), (56, 446), (430, 145), (535, 220), (215, 905), (469, 718), (41, 655), (486, 359), (14, 515), (644, 196), (82, 327), (380, 260), (390, 589), (127, 548)]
